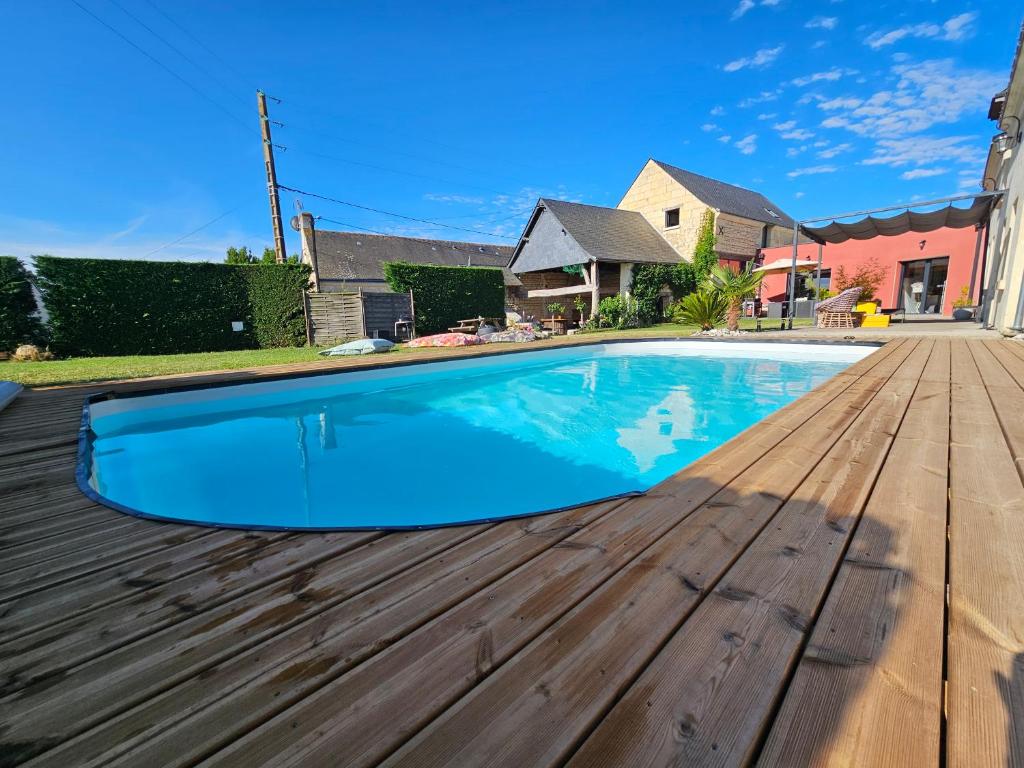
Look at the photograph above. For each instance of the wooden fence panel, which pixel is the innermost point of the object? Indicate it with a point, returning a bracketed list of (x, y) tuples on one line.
[(335, 317)]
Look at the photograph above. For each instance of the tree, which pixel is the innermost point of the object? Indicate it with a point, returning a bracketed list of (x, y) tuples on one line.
[(704, 255), (868, 277), (269, 256), (735, 287), (240, 256)]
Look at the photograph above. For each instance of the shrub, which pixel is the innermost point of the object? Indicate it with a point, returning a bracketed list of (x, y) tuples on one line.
[(444, 295), (617, 312), (18, 321), (705, 308), (868, 277), (118, 307), (648, 280), (704, 255)]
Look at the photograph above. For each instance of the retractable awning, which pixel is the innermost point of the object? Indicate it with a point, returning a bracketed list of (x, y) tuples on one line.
[(908, 221)]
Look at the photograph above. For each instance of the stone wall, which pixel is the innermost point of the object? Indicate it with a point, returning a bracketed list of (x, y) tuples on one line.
[(653, 192)]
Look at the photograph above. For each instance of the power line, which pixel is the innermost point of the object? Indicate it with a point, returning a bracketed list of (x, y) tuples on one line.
[(194, 231), (178, 51), (390, 213), (198, 42), (396, 152), (163, 66), (386, 169)]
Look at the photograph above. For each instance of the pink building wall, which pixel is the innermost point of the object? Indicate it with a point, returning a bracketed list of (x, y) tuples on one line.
[(891, 252)]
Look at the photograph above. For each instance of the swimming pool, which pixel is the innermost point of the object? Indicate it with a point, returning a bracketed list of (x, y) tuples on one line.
[(440, 443)]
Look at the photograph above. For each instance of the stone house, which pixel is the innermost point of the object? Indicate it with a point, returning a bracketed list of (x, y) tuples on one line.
[(569, 249)]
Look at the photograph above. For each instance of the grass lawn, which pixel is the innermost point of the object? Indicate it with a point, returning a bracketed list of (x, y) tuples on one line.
[(85, 369)]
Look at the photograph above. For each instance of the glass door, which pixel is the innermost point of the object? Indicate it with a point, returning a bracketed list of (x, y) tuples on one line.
[(923, 286)]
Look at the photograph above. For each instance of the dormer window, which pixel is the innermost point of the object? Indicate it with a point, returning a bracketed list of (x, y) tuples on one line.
[(671, 218)]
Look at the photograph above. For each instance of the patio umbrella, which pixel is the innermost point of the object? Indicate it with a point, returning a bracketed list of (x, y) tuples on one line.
[(784, 265)]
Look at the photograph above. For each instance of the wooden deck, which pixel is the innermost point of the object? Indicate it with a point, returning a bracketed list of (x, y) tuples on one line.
[(843, 584)]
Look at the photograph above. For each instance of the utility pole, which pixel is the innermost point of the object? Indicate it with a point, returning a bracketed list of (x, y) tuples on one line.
[(268, 161)]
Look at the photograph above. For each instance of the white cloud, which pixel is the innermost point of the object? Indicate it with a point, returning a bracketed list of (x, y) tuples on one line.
[(818, 44), (760, 98), (830, 75), (840, 103), (742, 8), (926, 94), (838, 149), (798, 195), (461, 199), (725, 139), (786, 126), (717, 110), (708, 127), (761, 58), (956, 28), (822, 22), (925, 150), (798, 135), (748, 144), (767, 116), (923, 173), (747, 5), (794, 151), (812, 170)]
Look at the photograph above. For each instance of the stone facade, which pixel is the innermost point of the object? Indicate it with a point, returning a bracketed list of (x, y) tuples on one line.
[(654, 191)]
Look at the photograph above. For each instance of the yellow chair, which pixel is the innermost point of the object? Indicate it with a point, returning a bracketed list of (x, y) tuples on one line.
[(875, 321), (866, 308)]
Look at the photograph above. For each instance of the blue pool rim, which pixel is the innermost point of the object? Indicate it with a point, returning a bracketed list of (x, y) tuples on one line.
[(83, 464)]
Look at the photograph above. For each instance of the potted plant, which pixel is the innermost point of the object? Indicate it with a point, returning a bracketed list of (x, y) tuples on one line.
[(963, 307), (581, 307), (557, 319)]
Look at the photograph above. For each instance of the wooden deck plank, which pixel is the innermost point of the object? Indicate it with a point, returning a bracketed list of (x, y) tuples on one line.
[(43, 714), (371, 710), (708, 697), (869, 687), (985, 707), (183, 724), (1003, 374)]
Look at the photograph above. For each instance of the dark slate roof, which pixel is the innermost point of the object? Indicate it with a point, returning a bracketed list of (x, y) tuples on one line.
[(728, 198), (359, 255), (611, 234)]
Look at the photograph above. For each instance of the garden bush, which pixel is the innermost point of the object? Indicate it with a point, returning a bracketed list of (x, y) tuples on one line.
[(19, 323), (648, 280), (119, 307), (444, 295)]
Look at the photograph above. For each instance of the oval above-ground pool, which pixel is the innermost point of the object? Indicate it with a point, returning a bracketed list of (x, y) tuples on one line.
[(439, 443)]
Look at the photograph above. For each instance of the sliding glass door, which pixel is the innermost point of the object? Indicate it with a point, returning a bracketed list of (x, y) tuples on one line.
[(923, 286)]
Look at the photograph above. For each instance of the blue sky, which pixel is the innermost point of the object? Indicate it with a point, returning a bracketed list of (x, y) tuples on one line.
[(465, 112)]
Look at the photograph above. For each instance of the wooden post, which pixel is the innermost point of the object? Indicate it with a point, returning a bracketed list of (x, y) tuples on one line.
[(412, 314), (309, 324), (268, 162), (595, 288)]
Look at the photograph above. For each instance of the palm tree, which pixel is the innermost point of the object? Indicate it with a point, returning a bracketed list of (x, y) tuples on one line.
[(735, 287)]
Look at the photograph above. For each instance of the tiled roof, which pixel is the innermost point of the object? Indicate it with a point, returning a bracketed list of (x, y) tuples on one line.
[(611, 234), (359, 255), (729, 198)]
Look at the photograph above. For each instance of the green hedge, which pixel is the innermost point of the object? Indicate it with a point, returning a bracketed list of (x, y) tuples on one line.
[(118, 307), (18, 321), (445, 295)]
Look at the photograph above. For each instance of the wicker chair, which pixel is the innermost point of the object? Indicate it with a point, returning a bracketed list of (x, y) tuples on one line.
[(837, 312)]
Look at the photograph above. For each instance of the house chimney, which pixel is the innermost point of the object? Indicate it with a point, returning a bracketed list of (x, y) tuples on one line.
[(307, 234)]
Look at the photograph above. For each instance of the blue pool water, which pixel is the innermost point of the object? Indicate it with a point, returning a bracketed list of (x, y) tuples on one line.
[(442, 443)]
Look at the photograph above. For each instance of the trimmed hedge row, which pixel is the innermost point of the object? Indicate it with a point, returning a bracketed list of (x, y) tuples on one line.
[(445, 295), (118, 307), (18, 321)]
